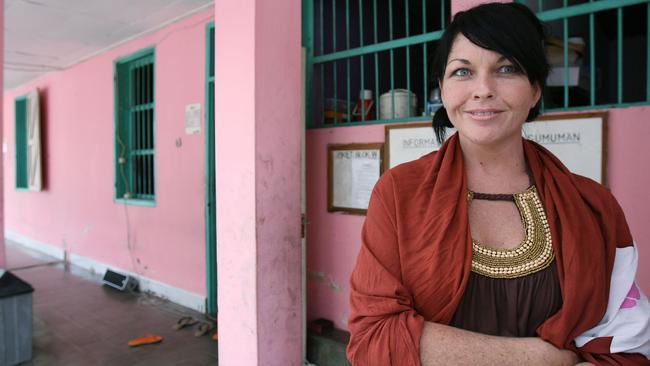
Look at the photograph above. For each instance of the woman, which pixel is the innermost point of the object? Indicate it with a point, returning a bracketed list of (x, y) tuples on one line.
[(536, 269)]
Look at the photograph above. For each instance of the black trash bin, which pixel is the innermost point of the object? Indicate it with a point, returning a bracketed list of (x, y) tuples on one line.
[(15, 320)]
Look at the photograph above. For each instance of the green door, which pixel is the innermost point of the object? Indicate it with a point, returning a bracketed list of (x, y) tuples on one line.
[(210, 201)]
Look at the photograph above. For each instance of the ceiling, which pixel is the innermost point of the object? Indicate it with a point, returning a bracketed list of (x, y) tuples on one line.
[(49, 35)]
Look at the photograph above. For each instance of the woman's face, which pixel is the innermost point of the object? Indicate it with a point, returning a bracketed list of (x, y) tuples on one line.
[(487, 97)]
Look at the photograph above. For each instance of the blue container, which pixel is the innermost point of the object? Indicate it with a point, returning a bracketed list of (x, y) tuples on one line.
[(15, 320)]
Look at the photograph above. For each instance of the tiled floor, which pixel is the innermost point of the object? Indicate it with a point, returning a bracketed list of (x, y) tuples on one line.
[(77, 321)]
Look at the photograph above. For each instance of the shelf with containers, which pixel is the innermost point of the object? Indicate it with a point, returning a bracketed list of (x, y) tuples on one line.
[(598, 50), (371, 54)]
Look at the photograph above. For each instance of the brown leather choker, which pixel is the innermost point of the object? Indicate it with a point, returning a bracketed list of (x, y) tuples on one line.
[(491, 196), (471, 195)]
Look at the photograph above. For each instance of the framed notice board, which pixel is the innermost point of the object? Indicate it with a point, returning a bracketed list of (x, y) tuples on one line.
[(579, 140), (352, 171), (408, 142)]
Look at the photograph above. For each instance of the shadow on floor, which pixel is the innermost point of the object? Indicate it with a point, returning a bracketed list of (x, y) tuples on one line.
[(77, 321)]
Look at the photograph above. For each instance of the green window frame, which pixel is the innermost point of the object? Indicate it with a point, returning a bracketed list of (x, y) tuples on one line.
[(603, 66), (135, 128), (21, 142), (350, 48)]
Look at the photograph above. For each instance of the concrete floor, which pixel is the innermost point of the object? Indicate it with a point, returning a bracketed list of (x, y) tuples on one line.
[(77, 321)]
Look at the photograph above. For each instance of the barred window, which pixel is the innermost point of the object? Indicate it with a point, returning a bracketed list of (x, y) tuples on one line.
[(599, 52), (134, 128), (368, 61)]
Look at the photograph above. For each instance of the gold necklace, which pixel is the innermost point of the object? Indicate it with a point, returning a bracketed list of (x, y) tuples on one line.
[(533, 254)]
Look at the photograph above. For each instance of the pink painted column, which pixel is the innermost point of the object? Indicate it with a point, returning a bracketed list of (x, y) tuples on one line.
[(258, 132), (2, 201), (235, 181)]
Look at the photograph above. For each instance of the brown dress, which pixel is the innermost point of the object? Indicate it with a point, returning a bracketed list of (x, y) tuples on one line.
[(511, 292), (512, 307)]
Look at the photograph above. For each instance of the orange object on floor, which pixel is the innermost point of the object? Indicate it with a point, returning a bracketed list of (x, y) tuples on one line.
[(215, 336), (145, 339)]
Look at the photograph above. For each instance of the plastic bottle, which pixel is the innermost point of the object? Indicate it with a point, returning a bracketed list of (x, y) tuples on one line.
[(434, 102), (364, 105)]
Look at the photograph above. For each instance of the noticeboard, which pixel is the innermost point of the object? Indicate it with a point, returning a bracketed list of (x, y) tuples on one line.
[(579, 140), (353, 170)]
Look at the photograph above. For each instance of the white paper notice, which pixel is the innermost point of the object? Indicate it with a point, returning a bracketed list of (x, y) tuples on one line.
[(355, 175), (193, 118), (407, 144), (578, 143), (366, 174)]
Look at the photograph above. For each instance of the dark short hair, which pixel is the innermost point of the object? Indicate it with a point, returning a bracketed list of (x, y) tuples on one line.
[(510, 29)]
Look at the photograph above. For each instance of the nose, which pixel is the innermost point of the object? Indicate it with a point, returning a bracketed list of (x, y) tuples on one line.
[(484, 87)]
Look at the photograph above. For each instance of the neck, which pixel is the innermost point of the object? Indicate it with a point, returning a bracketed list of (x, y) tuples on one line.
[(495, 169)]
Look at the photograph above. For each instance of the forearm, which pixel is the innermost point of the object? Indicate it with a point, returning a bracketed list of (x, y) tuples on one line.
[(445, 345)]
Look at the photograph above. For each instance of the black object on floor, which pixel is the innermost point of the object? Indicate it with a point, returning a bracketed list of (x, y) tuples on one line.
[(79, 322), (15, 320)]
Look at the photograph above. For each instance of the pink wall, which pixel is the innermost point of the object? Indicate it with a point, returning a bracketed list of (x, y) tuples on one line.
[(258, 134), (333, 239), (76, 211), (629, 133)]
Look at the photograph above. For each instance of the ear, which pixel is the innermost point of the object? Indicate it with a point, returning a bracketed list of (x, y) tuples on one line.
[(537, 94)]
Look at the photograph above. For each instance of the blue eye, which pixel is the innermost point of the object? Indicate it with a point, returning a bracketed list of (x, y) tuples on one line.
[(508, 69), (461, 72)]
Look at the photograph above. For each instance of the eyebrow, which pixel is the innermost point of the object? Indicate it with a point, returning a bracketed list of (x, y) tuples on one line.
[(466, 62)]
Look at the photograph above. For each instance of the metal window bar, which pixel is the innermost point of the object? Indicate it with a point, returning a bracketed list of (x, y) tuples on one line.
[(408, 60), (320, 51), (135, 80), (565, 54), (140, 172), (336, 104), (392, 58), (592, 60), (135, 187), (347, 62), (362, 62), (619, 50), (442, 15), (565, 51), (377, 104), (151, 132), (149, 158), (372, 49), (425, 86), (564, 13)]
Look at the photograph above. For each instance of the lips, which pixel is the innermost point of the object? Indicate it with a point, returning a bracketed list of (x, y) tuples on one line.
[(483, 114)]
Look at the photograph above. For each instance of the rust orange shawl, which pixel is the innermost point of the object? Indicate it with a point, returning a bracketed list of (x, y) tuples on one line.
[(416, 256)]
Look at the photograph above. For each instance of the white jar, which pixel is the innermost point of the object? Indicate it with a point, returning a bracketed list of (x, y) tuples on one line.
[(402, 108)]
